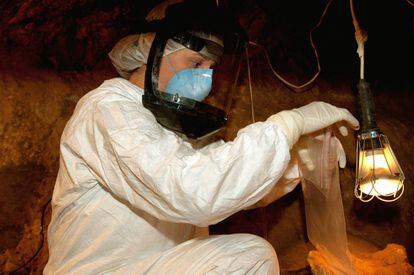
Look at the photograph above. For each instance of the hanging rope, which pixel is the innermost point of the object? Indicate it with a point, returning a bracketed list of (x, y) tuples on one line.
[(250, 85), (361, 37), (262, 210), (302, 87)]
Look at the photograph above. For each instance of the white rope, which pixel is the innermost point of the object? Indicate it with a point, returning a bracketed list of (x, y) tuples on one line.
[(410, 3), (250, 85), (361, 37), (301, 87)]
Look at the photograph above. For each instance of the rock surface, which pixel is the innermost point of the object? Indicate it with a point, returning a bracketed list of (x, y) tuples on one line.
[(392, 260), (53, 52)]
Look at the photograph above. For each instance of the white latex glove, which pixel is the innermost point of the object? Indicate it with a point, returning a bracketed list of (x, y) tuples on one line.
[(311, 118)]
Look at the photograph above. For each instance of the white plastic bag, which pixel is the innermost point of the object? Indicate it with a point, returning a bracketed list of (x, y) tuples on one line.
[(325, 218)]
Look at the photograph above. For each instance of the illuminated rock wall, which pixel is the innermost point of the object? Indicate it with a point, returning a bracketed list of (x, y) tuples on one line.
[(52, 53)]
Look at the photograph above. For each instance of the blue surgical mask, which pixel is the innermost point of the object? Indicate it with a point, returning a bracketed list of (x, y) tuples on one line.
[(193, 83)]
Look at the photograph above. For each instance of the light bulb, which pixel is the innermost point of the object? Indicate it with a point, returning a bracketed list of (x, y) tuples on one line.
[(378, 171)]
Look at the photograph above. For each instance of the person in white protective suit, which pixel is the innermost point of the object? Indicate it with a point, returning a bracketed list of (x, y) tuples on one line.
[(132, 197)]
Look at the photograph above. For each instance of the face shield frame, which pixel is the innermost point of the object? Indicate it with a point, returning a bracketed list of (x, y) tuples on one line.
[(205, 47), (177, 113)]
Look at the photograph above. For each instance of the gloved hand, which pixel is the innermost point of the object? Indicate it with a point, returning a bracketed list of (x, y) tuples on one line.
[(311, 118)]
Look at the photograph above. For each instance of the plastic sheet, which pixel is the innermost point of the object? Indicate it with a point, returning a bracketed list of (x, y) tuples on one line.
[(325, 218)]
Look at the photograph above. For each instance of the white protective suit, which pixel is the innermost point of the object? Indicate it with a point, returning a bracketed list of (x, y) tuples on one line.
[(130, 196)]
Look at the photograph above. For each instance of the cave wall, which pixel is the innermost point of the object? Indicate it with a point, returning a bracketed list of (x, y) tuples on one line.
[(36, 106), (54, 52)]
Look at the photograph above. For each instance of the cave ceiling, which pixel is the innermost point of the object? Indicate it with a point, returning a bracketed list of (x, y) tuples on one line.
[(77, 34)]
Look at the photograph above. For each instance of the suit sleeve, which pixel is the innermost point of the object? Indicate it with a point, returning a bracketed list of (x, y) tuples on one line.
[(155, 170)]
